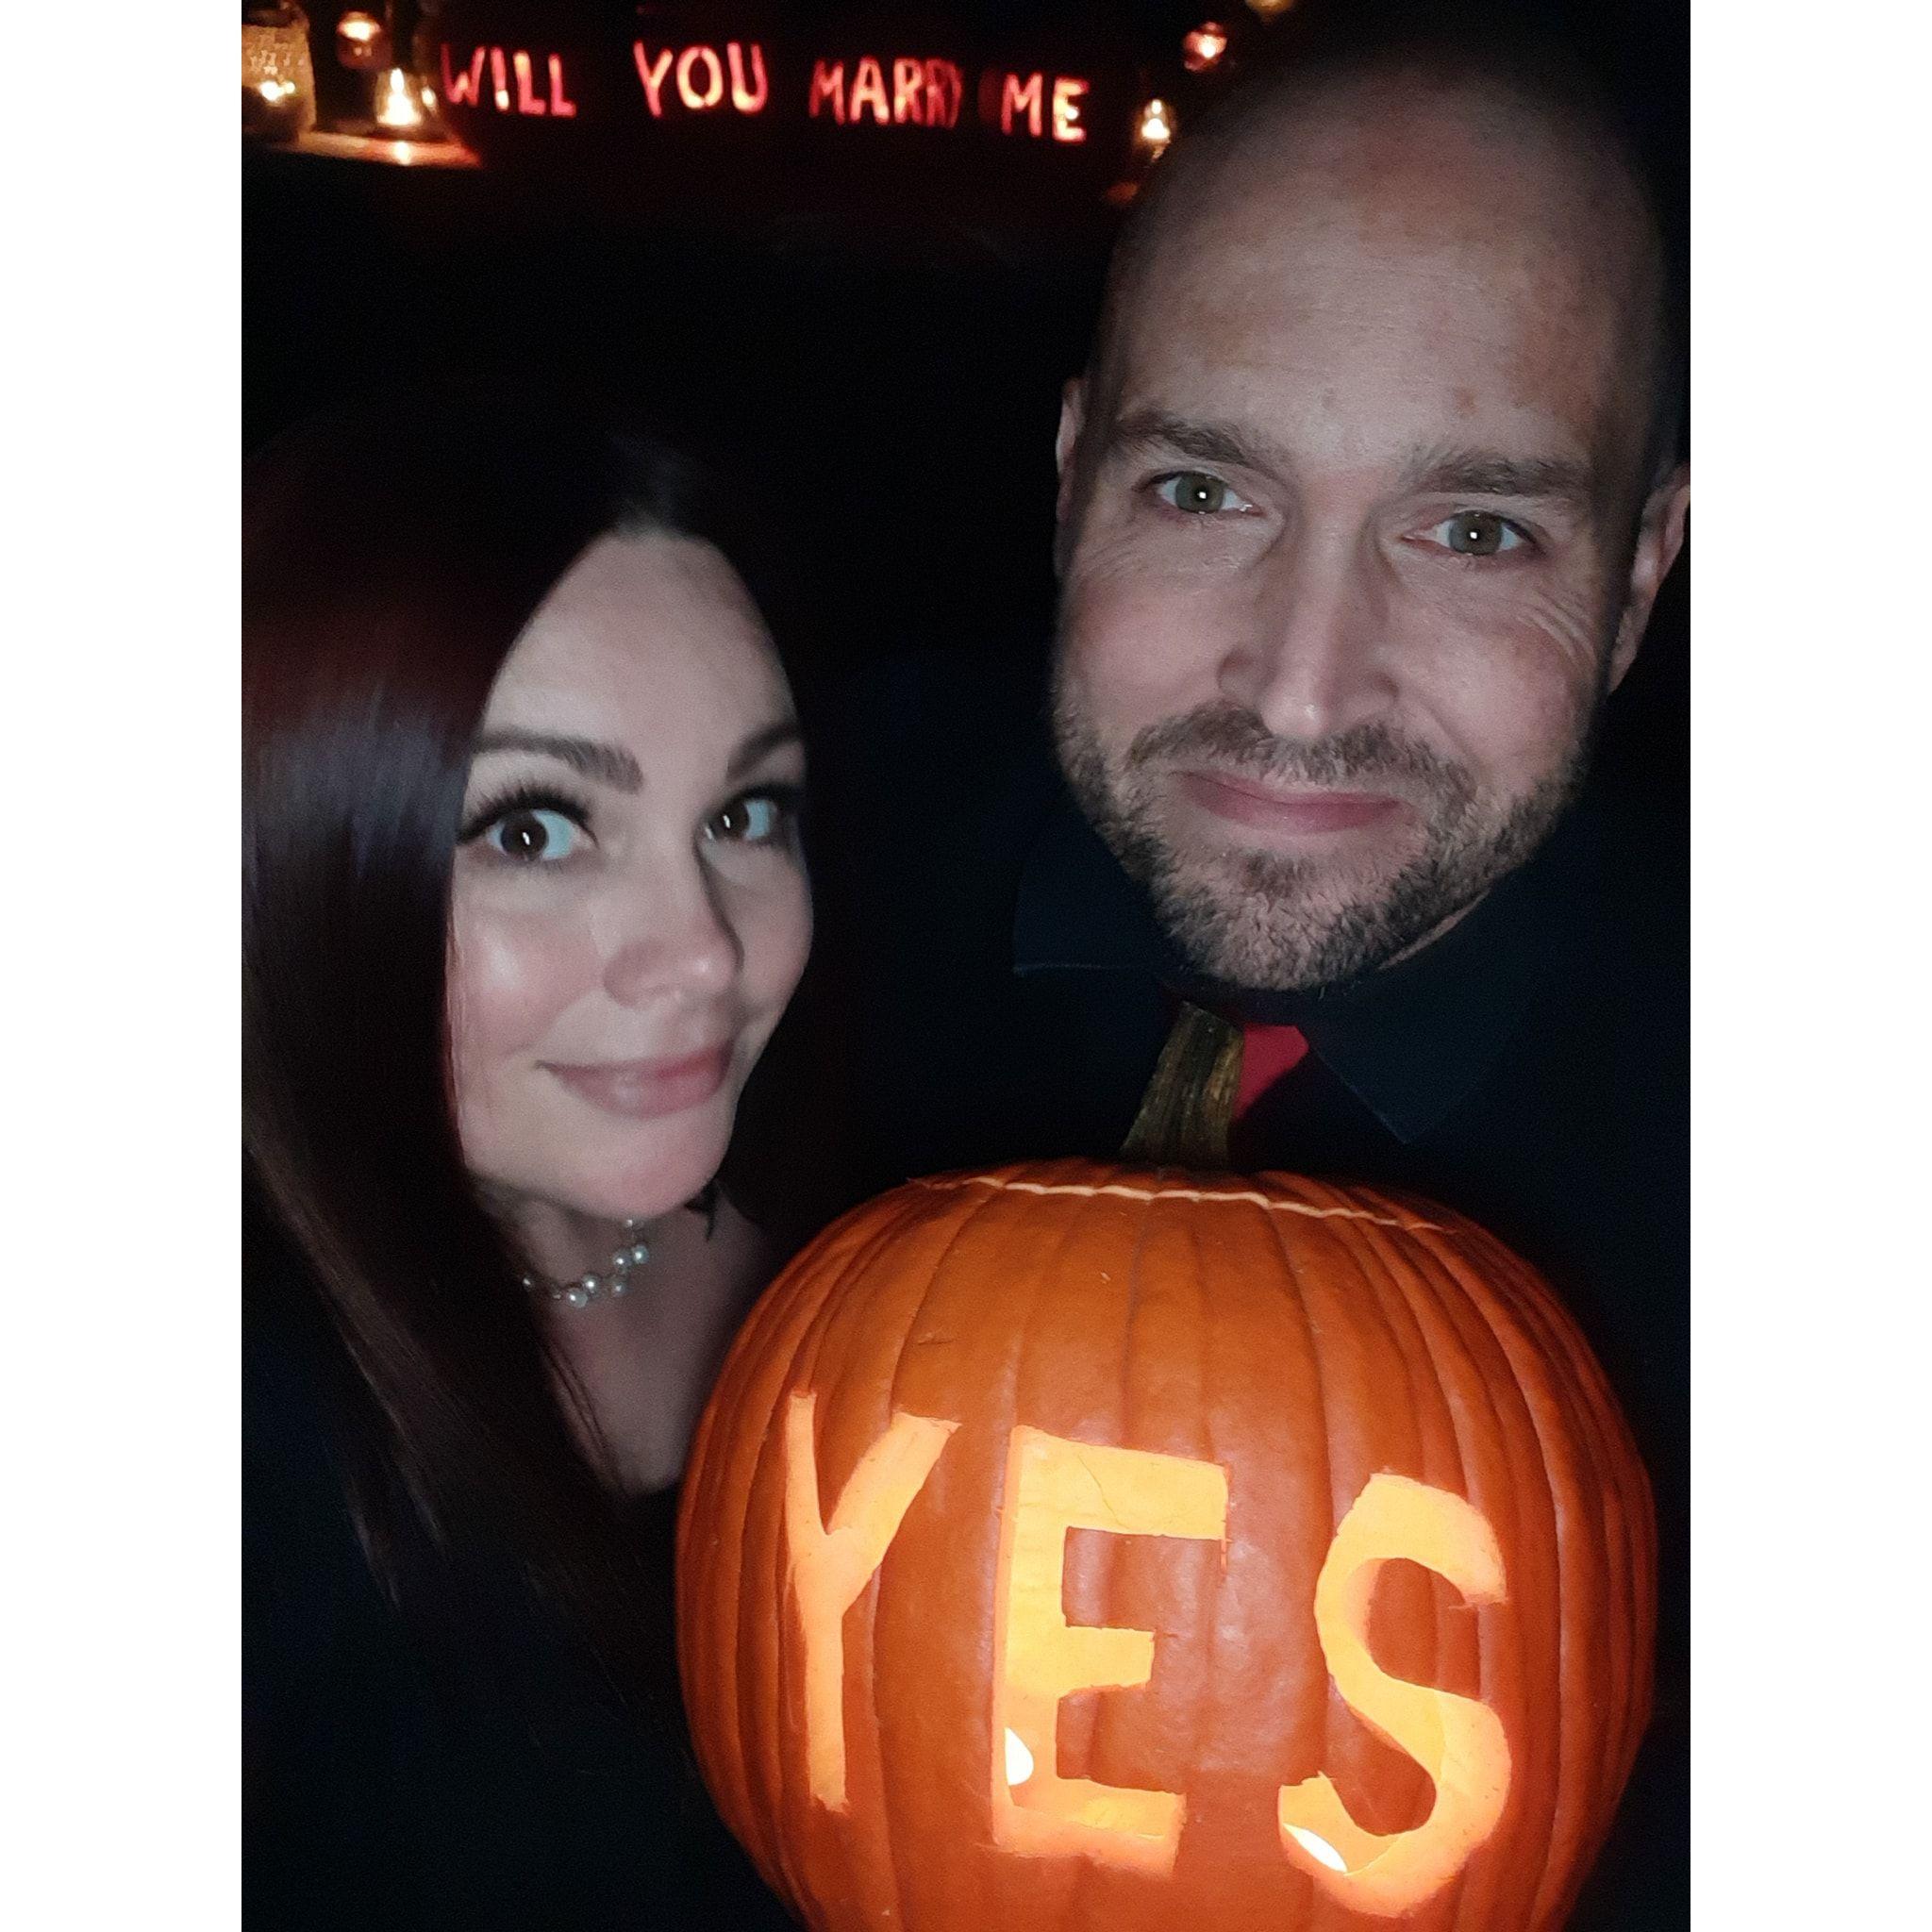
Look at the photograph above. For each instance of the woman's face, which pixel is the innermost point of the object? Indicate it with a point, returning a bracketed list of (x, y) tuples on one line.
[(629, 907)]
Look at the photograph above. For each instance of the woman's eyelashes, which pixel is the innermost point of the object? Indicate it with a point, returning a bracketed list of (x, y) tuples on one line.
[(539, 825), (533, 825), (765, 815)]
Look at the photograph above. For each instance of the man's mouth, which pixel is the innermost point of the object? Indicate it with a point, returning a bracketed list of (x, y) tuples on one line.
[(1283, 812)]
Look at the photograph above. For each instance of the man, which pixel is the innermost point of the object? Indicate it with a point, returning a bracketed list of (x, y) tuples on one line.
[(1364, 502)]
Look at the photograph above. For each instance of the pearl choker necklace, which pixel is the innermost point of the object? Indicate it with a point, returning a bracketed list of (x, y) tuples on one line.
[(633, 1251)]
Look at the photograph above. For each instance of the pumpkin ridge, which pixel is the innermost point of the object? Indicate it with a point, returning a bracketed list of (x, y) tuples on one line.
[(1631, 1521), (1554, 1415), (1598, 1774), (858, 1277), (1572, 1436), (1104, 1723), (1392, 1292), (1313, 1903), (1068, 1881), (1208, 1697), (1366, 1296), (968, 1215), (1439, 1307), (777, 1314)]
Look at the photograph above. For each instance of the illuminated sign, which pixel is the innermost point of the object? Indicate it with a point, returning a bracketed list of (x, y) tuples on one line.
[(735, 76), (771, 111)]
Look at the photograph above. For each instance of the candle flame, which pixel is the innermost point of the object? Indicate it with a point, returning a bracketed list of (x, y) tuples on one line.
[(1202, 48), (398, 107), (1319, 1848), (1156, 124)]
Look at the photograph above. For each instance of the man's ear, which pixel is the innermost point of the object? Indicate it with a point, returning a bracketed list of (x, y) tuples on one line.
[(1659, 536), (1066, 444), (1066, 457)]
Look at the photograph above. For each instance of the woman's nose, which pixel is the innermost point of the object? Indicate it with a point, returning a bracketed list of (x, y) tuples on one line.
[(671, 941)]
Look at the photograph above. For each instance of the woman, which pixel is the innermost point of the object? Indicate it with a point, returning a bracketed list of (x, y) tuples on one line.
[(524, 900)]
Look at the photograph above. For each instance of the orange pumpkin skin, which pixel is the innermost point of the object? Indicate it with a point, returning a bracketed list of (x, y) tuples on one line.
[(1299, 1339)]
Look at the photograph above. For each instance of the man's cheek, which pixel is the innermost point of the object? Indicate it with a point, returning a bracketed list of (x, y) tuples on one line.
[(1138, 655)]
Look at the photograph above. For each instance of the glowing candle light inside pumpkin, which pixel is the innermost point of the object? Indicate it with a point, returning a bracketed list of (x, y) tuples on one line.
[(1157, 125), (1318, 1847)]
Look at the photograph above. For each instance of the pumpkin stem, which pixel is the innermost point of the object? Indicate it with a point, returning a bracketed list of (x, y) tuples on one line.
[(1189, 1105)]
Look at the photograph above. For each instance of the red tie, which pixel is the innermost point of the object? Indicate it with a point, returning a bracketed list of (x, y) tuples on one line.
[(1267, 1053)]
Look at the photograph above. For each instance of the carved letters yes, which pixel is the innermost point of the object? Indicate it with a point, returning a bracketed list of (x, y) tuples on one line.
[(1054, 1485)]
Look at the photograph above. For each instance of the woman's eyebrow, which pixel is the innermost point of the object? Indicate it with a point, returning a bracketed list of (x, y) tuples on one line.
[(760, 743), (609, 764)]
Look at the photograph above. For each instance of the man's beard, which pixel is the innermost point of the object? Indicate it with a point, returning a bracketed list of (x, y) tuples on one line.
[(1274, 922)]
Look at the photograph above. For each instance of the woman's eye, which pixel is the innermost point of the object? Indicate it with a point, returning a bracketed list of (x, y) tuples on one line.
[(1198, 494), (1477, 533), (533, 835), (759, 817)]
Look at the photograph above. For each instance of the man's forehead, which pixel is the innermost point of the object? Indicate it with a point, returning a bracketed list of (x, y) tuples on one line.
[(1394, 347), (1383, 188), (1351, 261)]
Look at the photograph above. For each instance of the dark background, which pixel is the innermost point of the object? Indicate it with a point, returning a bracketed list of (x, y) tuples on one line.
[(883, 369)]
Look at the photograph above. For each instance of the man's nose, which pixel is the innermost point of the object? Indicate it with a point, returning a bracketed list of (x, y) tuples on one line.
[(1315, 656), (668, 939)]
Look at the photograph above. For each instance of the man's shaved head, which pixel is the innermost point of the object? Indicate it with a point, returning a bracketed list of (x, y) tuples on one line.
[(1504, 118)]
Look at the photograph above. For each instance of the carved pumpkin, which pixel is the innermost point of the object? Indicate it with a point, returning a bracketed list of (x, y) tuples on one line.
[(1115, 1550)]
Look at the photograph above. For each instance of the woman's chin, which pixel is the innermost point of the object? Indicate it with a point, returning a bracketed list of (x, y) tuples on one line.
[(634, 1172), (643, 1189)]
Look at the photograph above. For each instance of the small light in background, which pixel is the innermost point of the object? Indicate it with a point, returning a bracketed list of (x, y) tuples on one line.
[(361, 43), (1204, 47), (1268, 9), (1157, 125), (397, 106)]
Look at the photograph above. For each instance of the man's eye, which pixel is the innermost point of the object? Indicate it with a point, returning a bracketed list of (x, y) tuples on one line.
[(1477, 533), (1198, 494), (534, 835)]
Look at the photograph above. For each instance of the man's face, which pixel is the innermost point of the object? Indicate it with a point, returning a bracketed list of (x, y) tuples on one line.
[(1347, 555)]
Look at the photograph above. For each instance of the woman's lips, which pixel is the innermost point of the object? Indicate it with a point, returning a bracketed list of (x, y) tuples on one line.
[(647, 1090), (1288, 811)]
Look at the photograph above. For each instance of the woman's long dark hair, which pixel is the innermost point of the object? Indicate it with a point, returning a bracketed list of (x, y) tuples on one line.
[(379, 601)]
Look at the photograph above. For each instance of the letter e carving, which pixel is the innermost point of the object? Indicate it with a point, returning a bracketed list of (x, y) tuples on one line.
[(1053, 1486)]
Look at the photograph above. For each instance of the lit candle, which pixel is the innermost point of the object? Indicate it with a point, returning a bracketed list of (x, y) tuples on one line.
[(396, 105)]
